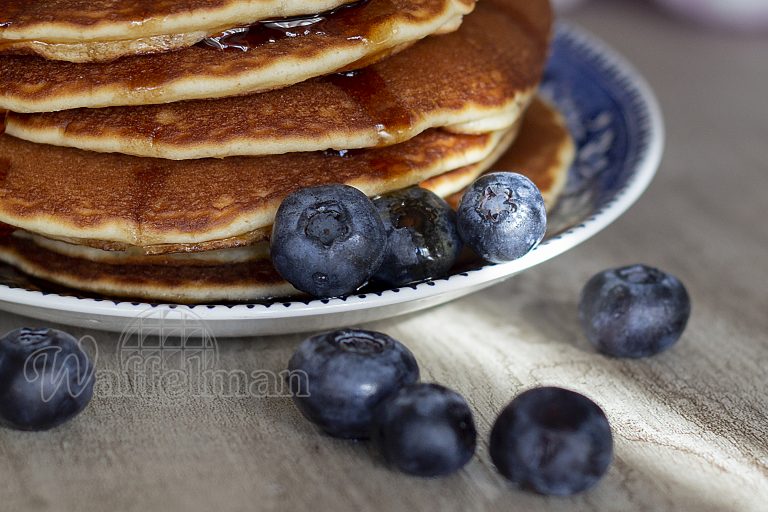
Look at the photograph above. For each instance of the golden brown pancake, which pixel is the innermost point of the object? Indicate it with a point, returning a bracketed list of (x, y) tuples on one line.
[(478, 80), (101, 51), (361, 35), (64, 192), (541, 152), (135, 255), (87, 31), (183, 284), (57, 21)]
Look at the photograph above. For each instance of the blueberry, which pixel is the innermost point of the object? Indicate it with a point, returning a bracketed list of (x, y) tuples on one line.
[(502, 216), (425, 430), (327, 241), (422, 240), (552, 440), (337, 379), (634, 311), (45, 379)]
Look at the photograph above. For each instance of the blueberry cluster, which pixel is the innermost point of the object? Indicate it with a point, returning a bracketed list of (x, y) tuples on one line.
[(331, 240), (362, 384)]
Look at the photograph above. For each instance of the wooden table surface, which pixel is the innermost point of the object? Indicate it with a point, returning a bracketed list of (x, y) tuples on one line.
[(691, 425)]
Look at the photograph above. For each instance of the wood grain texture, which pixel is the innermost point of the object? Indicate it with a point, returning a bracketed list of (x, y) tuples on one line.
[(691, 426)]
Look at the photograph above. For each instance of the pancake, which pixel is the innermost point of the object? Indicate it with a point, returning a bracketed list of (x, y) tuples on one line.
[(64, 192), (477, 81), (135, 256), (541, 152), (352, 39), (57, 21), (86, 31), (182, 284)]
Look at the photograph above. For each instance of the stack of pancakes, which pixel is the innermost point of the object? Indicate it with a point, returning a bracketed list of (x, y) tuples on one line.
[(149, 144)]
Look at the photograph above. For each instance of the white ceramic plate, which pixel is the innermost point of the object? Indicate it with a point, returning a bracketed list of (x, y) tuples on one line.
[(618, 128)]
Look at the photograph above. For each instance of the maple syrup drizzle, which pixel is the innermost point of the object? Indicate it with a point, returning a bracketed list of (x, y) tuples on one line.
[(247, 38), (369, 90), (3, 120), (350, 21)]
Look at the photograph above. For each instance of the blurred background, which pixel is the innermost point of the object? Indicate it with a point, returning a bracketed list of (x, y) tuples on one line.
[(735, 16)]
